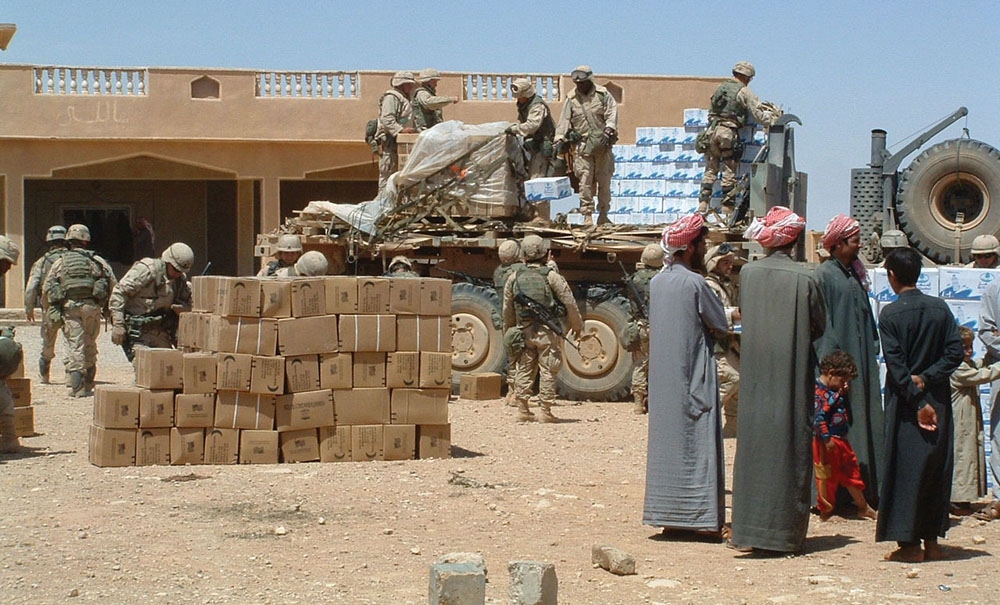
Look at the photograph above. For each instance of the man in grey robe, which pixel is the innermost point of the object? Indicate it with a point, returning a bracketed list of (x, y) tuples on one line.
[(989, 334), (783, 314), (685, 483)]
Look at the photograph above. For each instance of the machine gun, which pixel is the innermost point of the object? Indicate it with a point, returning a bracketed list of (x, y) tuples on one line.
[(472, 279), (135, 325), (544, 315), (643, 311)]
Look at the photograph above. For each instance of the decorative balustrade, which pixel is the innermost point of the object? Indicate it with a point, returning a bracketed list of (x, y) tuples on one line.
[(496, 87), (99, 81), (307, 85)]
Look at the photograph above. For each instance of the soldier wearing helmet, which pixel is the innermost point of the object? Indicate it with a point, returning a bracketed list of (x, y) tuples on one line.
[(732, 106), (289, 251), (985, 249), (895, 238), (395, 117), (77, 288), (426, 102), (11, 356), (400, 266), (146, 302), (591, 113), (535, 125), (509, 253), (532, 346), (310, 264), (56, 241), (719, 262), (636, 336)]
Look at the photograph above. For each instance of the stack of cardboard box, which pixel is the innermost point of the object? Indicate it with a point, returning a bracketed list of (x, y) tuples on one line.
[(24, 412), (293, 370)]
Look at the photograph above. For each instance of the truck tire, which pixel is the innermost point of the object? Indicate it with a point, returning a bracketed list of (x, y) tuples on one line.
[(952, 176), (476, 342), (604, 371)]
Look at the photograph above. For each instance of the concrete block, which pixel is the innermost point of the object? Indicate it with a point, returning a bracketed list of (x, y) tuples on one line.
[(612, 559), (533, 583), (456, 584), (472, 558)]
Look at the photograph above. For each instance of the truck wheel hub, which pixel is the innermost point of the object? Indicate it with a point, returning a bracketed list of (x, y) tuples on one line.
[(598, 350), (470, 341)]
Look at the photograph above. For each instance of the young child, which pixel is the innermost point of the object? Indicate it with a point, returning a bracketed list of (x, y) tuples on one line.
[(968, 480), (833, 455)]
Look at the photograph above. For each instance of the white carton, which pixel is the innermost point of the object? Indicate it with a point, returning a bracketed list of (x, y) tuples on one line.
[(966, 313), (959, 283), (926, 283), (653, 188), (547, 188), (695, 117), (630, 187)]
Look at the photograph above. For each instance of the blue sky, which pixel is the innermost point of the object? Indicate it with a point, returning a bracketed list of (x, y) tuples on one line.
[(843, 67)]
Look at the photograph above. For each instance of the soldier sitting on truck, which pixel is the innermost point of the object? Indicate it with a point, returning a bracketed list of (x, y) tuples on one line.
[(289, 251), (984, 252), (400, 266), (426, 102), (310, 264)]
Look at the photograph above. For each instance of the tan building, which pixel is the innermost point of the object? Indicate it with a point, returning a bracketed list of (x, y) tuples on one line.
[(213, 157)]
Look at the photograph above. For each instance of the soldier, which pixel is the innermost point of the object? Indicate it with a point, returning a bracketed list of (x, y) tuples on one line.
[(145, 303), (531, 300), (637, 335), (509, 253), (11, 356), (310, 264), (400, 266), (394, 116), (895, 238), (731, 105), (426, 103), (77, 287), (592, 114), (719, 266), (535, 125), (289, 252), (984, 252), (56, 239)]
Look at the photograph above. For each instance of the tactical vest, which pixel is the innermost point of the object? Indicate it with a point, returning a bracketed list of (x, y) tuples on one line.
[(725, 102), (425, 118), (380, 134), (640, 279), (545, 133), (532, 281), (80, 276), (50, 259)]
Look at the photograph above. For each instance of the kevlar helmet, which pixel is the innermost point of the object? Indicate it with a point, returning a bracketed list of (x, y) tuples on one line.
[(522, 88), (429, 74), (9, 250), (985, 244), (717, 253), (509, 251), (403, 77), (533, 247), (311, 264), (400, 260), (581, 73), (744, 68), (893, 238), (180, 256), (11, 354), (652, 256), (289, 242), (79, 233), (57, 233)]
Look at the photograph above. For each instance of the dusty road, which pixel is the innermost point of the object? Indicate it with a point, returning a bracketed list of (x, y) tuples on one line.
[(367, 532)]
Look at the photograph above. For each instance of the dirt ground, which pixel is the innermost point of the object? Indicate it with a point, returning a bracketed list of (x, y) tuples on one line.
[(368, 532)]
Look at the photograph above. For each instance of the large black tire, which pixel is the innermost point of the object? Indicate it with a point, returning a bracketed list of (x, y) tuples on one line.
[(477, 344), (604, 371), (957, 175)]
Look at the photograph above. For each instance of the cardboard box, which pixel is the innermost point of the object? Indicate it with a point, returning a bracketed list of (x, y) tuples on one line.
[(276, 298), (928, 283), (961, 283), (399, 441), (435, 296), (305, 335), (421, 333), (241, 335), (199, 373), (419, 406), (267, 375), (187, 446), (366, 443), (341, 295), (156, 409), (302, 373), (24, 421), (547, 188), (194, 410), (433, 441), (435, 370), (299, 446), (361, 406), (159, 368), (152, 447), (222, 446), (335, 444), (20, 391), (236, 410), (258, 447), (402, 369), (368, 333), (233, 372), (479, 386), (112, 447), (336, 371), (369, 370), (192, 331), (374, 294), (404, 296), (204, 293), (116, 407), (239, 296), (308, 296), (311, 409)]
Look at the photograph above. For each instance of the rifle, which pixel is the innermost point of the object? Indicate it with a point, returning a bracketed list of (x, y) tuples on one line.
[(136, 325), (544, 315), (472, 279), (635, 293)]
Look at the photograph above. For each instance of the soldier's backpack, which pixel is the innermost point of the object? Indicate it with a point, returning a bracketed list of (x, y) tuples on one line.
[(11, 354), (371, 129)]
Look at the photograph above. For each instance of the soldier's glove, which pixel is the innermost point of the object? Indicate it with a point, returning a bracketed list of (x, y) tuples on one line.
[(608, 137), (559, 147), (118, 335), (510, 130)]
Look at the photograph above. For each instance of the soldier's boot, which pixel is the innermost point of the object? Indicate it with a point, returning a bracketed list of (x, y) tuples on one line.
[(523, 413), (703, 199), (509, 400), (641, 405), (88, 382), (588, 219), (602, 218), (9, 443), (44, 365), (76, 384), (546, 412)]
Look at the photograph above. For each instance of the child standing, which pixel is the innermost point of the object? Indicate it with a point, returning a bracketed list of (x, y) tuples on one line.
[(833, 455)]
